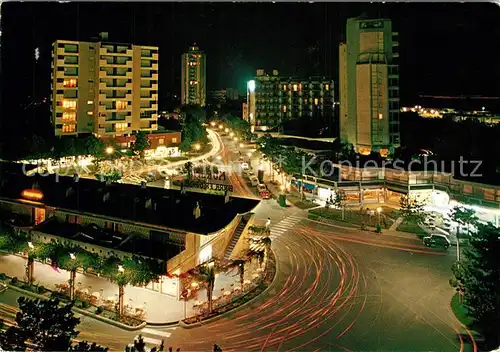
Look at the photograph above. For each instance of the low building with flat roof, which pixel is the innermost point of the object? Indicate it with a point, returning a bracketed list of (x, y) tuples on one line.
[(182, 229)]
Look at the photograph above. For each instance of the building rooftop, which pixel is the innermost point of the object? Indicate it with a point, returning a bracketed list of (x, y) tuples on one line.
[(156, 207)]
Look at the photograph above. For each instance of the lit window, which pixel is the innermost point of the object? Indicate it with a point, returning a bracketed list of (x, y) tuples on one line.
[(315, 101), (300, 86), (68, 128), (69, 83), (380, 116), (90, 113), (161, 141), (327, 87), (121, 104), (69, 116), (90, 102), (69, 104), (120, 127), (284, 87), (174, 140), (284, 108), (295, 87)]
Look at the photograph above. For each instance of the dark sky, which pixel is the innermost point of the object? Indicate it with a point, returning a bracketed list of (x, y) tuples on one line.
[(445, 49)]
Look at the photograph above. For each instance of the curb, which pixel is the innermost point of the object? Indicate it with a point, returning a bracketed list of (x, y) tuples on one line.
[(82, 311), (172, 323), (236, 309)]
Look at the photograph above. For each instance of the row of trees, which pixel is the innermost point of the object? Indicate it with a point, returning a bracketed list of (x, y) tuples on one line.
[(239, 126), (191, 119), (133, 270)]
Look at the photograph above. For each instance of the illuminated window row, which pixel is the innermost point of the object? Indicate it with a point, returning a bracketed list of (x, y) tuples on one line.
[(68, 128), (69, 116), (120, 127), (298, 87), (70, 83), (69, 104)]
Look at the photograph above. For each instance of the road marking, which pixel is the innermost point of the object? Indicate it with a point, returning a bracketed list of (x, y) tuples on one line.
[(156, 332), (150, 340), (284, 225)]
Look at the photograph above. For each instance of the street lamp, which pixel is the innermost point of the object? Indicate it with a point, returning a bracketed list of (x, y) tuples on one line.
[(249, 154), (226, 130), (236, 139), (110, 150), (379, 210), (221, 127), (197, 146), (121, 268), (242, 145), (72, 256), (231, 134), (212, 124), (30, 245)]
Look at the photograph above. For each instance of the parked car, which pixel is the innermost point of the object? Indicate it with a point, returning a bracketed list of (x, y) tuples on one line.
[(254, 180), (263, 191), (437, 240)]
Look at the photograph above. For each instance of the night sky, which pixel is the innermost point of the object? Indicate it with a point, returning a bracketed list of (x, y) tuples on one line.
[(445, 49)]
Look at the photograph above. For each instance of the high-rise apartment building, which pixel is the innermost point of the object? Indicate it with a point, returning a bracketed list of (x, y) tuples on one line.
[(369, 86), (193, 80), (105, 88), (272, 100), (308, 98), (263, 101)]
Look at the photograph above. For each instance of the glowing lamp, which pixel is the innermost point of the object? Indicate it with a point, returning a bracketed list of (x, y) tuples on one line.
[(32, 194), (251, 86)]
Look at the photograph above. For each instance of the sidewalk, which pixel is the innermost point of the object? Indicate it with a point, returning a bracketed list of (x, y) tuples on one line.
[(160, 308)]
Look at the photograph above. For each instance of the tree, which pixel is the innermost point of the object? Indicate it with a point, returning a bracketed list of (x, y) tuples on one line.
[(339, 201), (462, 216), (140, 346), (206, 275), (240, 265), (192, 118), (141, 143), (84, 346), (411, 209), (42, 323), (188, 168), (478, 275), (266, 241)]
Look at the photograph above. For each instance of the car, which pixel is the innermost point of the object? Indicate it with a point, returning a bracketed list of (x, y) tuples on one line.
[(261, 187), (437, 240), (265, 194)]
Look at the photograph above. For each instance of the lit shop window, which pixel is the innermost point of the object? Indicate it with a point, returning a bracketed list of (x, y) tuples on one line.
[(68, 128), (121, 105), (284, 108), (69, 116), (295, 87), (69, 104), (315, 101), (284, 87), (69, 83), (327, 87), (120, 127)]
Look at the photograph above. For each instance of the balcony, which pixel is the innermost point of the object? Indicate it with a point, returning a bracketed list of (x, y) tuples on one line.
[(151, 97), (395, 43), (395, 55), (153, 86), (104, 86), (105, 63), (116, 51), (104, 74), (103, 97), (153, 77)]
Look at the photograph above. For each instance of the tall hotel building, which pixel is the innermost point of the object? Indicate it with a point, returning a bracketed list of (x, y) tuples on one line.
[(193, 80), (104, 88), (272, 100), (369, 86)]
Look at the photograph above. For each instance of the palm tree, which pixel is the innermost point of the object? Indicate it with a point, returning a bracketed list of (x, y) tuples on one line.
[(188, 167), (240, 265), (206, 274), (266, 241)]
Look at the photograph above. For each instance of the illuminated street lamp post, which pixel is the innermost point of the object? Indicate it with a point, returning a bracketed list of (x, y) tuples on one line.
[(197, 147), (31, 263), (379, 226), (221, 127), (231, 134), (121, 291), (110, 150), (72, 279)]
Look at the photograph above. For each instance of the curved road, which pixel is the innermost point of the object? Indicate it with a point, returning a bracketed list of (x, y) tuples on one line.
[(343, 290)]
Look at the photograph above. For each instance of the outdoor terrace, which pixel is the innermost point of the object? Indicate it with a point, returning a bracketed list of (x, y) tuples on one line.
[(98, 238)]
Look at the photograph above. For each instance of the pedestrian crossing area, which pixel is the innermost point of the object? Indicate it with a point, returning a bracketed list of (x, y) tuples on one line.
[(284, 225), (154, 337)]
